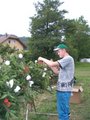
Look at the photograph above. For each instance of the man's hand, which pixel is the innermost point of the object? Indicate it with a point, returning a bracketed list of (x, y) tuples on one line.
[(40, 59)]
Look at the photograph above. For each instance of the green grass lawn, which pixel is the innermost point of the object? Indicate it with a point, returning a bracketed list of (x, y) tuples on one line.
[(46, 102), (82, 111)]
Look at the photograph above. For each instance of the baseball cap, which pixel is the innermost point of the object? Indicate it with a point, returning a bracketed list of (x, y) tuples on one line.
[(60, 46)]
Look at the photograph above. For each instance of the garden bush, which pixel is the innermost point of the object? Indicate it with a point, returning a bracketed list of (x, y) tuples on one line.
[(20, 81)]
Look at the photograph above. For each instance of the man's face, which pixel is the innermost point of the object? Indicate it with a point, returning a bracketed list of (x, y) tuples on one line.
[(61, 53)]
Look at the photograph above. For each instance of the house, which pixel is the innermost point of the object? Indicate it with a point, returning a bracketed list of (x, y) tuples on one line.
[(13, 41)]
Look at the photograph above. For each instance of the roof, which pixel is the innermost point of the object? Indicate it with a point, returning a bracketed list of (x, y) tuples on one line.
[(5, 37)]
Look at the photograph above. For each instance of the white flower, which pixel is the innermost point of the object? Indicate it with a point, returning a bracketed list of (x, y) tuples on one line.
[(36, 61), (7, 62), (10, 83), (45, 69), (31, 83), (17, 89), (0, 67), (20, 56), (28, 77), (7, 83), (44, 73)]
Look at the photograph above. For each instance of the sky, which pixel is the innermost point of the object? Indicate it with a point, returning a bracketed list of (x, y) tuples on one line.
[(15, 14)]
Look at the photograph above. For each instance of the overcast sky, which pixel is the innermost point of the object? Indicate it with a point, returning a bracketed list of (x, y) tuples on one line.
[(14, 14)]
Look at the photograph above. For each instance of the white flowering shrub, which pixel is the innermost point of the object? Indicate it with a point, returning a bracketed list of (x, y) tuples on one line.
[(19, 80)]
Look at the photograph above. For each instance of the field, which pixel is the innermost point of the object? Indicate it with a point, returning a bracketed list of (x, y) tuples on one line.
[(81, 111)]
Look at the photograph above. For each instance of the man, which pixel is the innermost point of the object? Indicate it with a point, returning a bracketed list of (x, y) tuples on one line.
[(64, 68)]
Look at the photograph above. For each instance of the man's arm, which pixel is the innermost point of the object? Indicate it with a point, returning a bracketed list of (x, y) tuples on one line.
[(54, 65), (55, 70)]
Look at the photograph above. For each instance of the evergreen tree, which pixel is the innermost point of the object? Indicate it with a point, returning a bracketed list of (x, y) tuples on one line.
[(46, 27)]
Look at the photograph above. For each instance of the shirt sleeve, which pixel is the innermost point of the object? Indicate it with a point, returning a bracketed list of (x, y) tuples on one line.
[(64, 62)]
